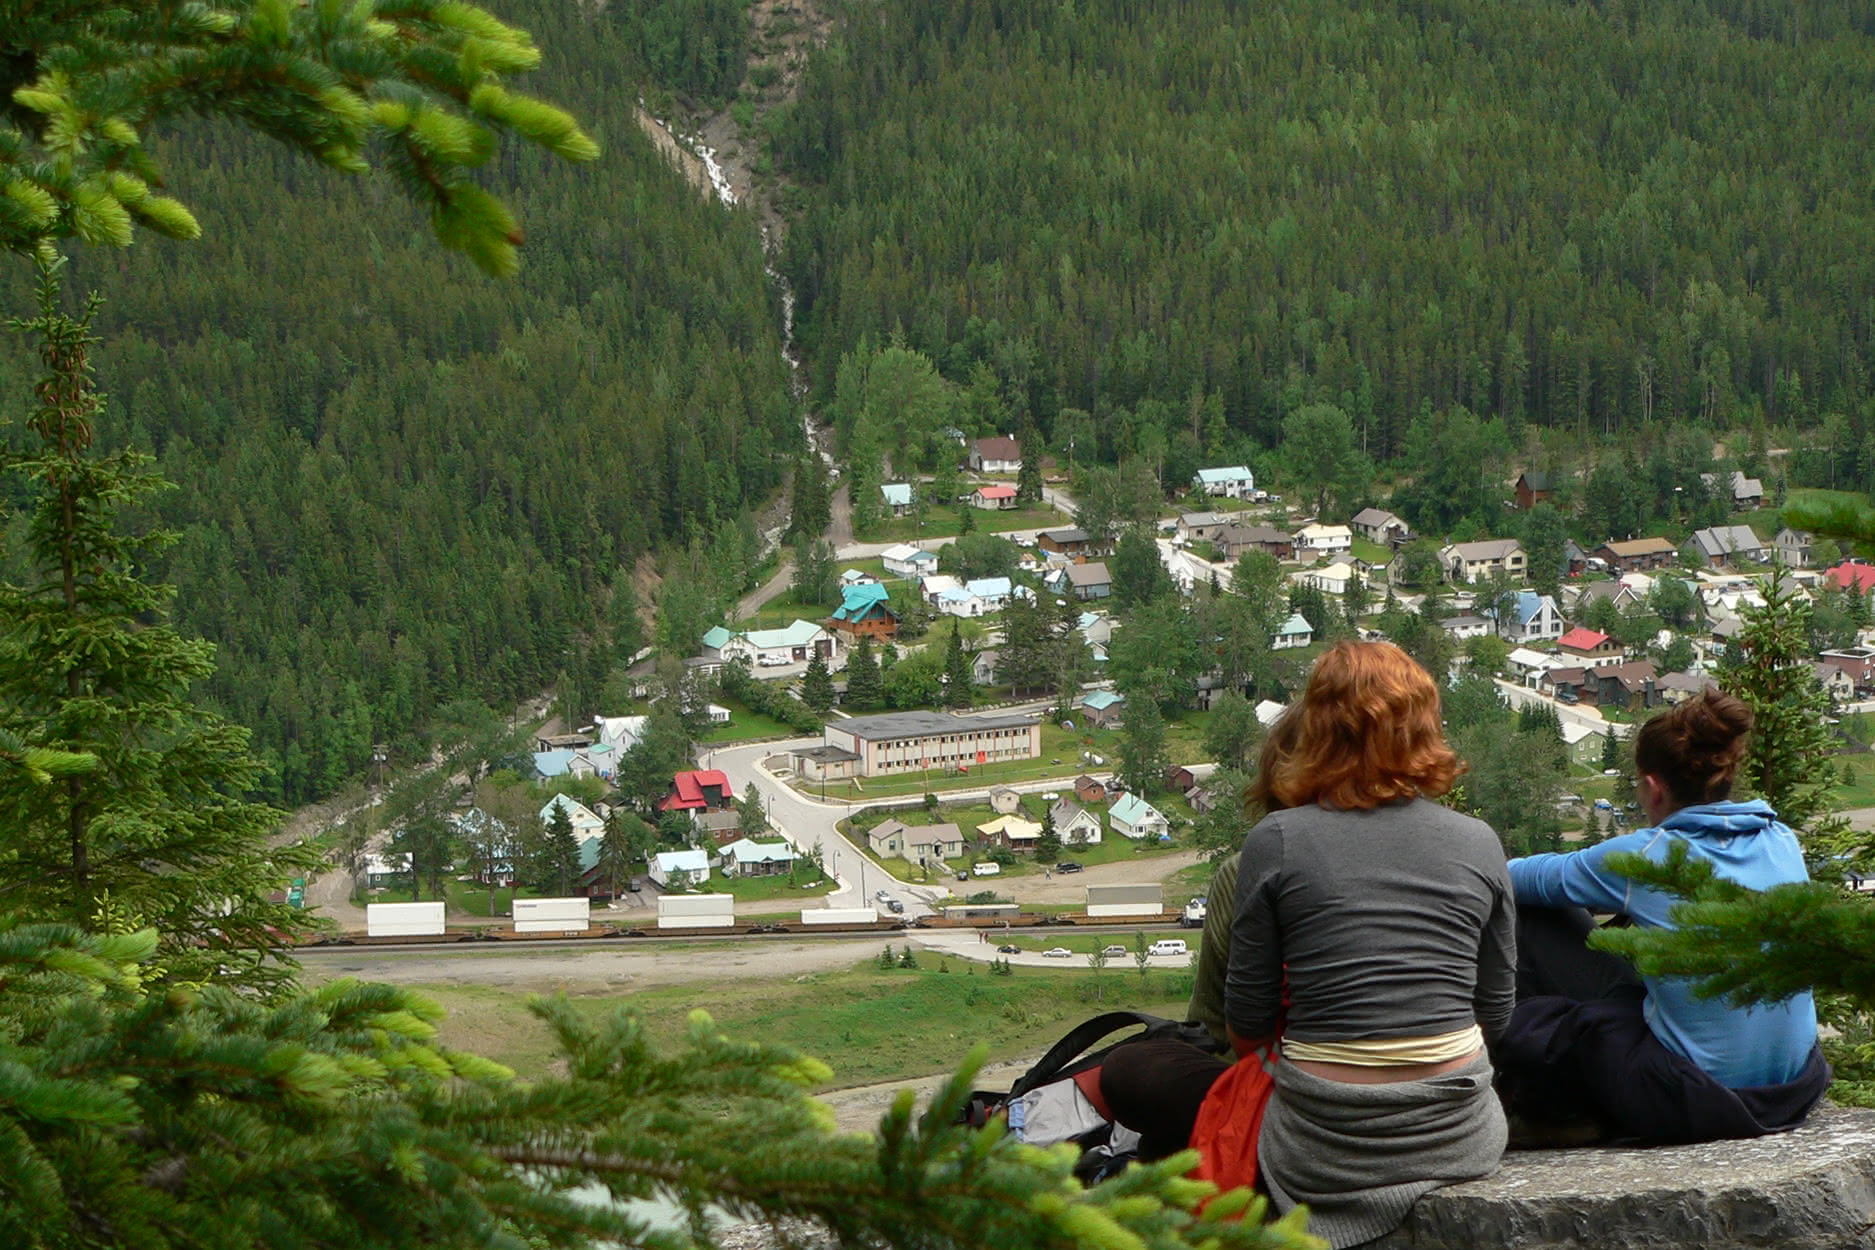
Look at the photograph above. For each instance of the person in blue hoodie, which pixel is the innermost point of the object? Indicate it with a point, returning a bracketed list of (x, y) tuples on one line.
[(1645, 1058)]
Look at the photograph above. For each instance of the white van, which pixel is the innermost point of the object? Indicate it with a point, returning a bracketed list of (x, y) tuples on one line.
[(1168, 946), (986, 870)]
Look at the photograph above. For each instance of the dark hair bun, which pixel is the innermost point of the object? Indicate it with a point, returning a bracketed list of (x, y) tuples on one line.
[(1696, 748)]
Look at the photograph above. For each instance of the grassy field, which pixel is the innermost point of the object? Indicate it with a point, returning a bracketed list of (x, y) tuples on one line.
[(752, 889), (745, 726), (870, 1025), (1858, 790), (460, 896), (1084, 943), (944, 523), (1371, 552)]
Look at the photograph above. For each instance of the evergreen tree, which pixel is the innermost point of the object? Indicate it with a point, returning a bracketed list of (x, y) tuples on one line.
[(424, 97), (1791, 748), (817, 684), (1233, 735), (865, 688), (559, 861), (1139, 574), (1611, 751), (1143, 757), (959, 683), (966, 519), (751, 813), (1048, 842), (159, 831), (626, 841), (1029, 475), (427, 838), (811, 509)]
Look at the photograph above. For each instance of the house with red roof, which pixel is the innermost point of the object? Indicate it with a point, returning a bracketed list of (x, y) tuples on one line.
[(1588, 644), (1852, 573), (697, 791), (993, 498)]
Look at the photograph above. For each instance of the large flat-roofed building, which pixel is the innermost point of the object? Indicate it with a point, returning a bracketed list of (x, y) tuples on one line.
[(900, 742)]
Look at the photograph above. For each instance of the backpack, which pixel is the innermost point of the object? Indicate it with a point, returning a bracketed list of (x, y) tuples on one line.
[(1045, 1106)]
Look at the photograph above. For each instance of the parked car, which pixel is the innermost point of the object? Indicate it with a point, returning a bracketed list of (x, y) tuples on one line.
[(963, 876), (1057, 952), (895, 907), (1168, 946), (1068, 865), (1006, 949), (1115, 949), (883, 896)]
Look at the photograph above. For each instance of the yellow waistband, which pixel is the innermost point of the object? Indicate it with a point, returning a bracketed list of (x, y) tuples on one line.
[(1387, 1052)]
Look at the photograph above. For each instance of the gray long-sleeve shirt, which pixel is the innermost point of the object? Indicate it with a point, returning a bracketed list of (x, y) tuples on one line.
[(1393, 922)]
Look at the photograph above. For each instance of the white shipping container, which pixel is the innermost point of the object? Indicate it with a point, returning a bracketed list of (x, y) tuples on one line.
[(552, 915), (696, 911), (404, 919), (839, 915), (1124, 900)]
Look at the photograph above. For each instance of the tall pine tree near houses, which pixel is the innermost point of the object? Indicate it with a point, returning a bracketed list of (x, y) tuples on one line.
[(865, 688), (1029, 474), (817, 684), (159, 832), (559, 861), (959, 679)]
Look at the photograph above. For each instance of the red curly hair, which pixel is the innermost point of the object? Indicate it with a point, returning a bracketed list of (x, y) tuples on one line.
[(1367, 732)]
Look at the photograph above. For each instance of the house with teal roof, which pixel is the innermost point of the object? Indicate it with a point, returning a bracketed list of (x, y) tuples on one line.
[(897, 497), (1103, 708), (1133, 817), (865, 609), (1294, 632)]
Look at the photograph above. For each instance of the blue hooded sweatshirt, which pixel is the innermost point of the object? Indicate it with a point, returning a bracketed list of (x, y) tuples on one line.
[(1740, 1047)]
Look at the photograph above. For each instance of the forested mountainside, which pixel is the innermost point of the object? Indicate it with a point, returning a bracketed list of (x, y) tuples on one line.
[(400, 481), (1592, 216)]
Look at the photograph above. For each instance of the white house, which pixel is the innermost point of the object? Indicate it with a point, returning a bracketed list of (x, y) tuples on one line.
[(1533, 618), (935, 585), (585, 823), (1467, 562), (996, 455), (1294, 632), (597, 760), (1314, 541), (1133, 817), (905, 560), (621, 733), (1074, 824), (678, 870), (1462, 628), (1231, 482), (1269, 712), (1529, 666), (769, 648), (856, 577), (916, 842), (979, 597), (745, 858), (1331, 579)]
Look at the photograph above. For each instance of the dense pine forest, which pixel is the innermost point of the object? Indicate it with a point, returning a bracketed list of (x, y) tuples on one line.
[(400, 482), (1189, 220)]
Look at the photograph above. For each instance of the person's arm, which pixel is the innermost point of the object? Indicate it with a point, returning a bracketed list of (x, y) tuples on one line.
[(1496, 990), (1578, 877), (1253, 986), (1207, 988)]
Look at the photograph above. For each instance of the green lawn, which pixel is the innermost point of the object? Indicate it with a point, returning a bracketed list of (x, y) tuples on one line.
[(1859, 789), (1112, 848), (782, 611), (745, 726), (869, 1024), (753, 889), (944, 523), (1371, 552)]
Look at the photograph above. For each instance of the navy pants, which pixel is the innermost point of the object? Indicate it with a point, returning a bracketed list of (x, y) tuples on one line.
[(1579, 1044)]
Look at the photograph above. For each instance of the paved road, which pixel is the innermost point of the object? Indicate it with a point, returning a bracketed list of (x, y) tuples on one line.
[(752, 602)]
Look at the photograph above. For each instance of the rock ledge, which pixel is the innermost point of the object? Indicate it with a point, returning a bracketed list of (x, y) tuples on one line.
[(1812, 1189)]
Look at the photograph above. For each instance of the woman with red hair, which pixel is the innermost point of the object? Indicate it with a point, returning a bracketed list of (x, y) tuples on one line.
[(1374, 944)]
